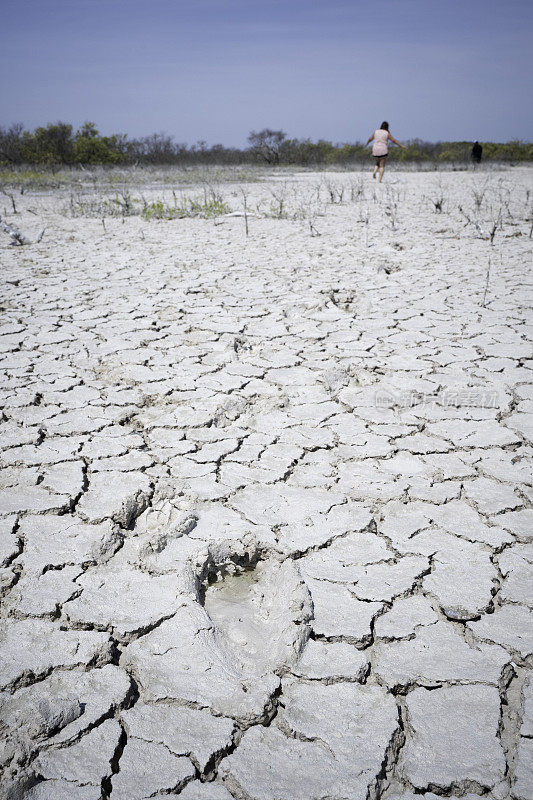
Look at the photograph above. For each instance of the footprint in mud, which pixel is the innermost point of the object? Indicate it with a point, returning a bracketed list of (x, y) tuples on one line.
[(244, 625), (258, 614)]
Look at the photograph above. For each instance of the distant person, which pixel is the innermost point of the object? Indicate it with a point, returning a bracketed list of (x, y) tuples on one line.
[(380, 148), (477, 152)]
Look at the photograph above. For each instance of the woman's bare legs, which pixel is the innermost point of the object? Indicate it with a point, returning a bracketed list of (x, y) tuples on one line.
[(380, 167)]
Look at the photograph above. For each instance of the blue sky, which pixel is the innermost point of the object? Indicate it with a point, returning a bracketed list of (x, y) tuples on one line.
[(216, 69)]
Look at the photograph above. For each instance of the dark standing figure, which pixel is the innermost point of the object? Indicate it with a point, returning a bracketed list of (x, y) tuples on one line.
[(477, 152)]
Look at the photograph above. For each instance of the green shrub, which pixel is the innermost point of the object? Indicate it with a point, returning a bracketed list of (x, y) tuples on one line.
[(187, 207), (91, 148), (159, 210)]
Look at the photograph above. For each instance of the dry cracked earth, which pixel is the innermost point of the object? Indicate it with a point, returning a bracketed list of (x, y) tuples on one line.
[(266, 501)]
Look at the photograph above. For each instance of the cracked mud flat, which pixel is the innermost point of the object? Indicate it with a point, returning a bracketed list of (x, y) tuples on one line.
[(266, 502)]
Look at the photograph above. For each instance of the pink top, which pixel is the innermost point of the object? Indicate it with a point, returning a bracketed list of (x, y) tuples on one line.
[(379, 147)]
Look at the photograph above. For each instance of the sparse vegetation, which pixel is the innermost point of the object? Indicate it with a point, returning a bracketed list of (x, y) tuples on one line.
[(123, 204), (279, 201), (187, 207), (438, 200), (335, 190), (57, 144), (492, 208)]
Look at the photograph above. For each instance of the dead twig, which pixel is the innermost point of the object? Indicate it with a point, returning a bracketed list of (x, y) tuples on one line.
[(245, 207), (365, 219), (470, 221), (495, 224), (11, 197), (17, 239), (484, 303), (280, 196), (479, 193)]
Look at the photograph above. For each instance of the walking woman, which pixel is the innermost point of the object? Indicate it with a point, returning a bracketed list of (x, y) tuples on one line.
[(380, 148)]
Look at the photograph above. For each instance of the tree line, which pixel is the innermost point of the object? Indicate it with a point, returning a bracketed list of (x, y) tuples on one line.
[(58, 144)]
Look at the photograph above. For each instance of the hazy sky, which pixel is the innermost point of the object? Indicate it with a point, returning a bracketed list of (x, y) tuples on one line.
[(216, 69)]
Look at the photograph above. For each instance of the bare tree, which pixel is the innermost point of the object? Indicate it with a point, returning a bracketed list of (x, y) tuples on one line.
[(11, 142), (266, 144)]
